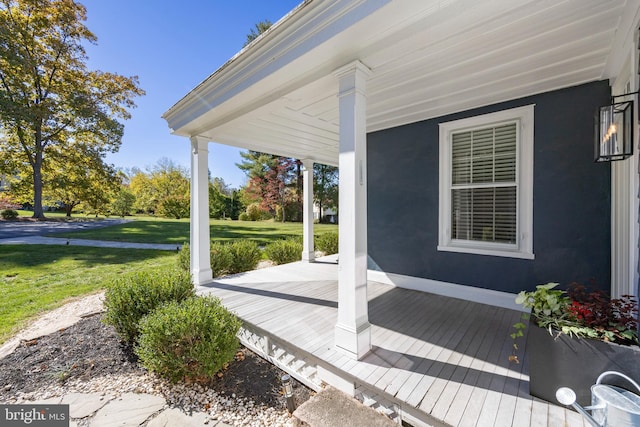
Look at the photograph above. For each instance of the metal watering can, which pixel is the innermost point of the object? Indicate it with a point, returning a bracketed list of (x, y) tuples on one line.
[(611, 406)]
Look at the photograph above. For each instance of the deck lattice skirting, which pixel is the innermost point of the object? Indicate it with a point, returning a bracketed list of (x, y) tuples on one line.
[(307, 369), (285, 356)]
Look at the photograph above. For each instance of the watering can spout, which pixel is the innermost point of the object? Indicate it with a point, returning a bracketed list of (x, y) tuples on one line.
[(567, 397)]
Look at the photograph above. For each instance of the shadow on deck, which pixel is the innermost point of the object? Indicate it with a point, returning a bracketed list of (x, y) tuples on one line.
[(435, 360)]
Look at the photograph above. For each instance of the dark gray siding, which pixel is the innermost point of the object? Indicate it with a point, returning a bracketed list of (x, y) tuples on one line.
[(571, 200)]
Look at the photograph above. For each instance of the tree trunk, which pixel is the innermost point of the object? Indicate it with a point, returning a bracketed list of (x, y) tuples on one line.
[(38, 212)]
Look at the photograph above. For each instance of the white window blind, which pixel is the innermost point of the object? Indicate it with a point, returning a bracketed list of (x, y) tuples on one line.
[(486, 184), (483, 184)]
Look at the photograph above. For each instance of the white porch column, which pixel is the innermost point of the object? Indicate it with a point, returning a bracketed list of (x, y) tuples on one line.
[(353, 331), (199, 225), (308, 249)]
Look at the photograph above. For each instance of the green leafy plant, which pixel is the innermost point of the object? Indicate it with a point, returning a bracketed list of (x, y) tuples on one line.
[(226, 257), (129, 298), (221, 258), (245, 255), (8, 214), (578, 313), (327, 243), (284, 251), (184, 257), (189, 340)]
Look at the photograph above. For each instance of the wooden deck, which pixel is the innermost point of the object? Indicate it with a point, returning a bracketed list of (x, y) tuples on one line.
[(435, 360)]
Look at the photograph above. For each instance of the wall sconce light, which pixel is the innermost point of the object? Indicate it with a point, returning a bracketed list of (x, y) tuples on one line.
[(614, 130)]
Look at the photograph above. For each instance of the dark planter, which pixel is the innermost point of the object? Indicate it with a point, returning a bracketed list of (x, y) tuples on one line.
[(561, 361)]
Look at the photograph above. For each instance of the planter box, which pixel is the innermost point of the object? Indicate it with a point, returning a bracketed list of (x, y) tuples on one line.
[(561, 361)]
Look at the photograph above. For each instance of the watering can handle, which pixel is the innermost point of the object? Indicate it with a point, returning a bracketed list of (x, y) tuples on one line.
[(604, 374)]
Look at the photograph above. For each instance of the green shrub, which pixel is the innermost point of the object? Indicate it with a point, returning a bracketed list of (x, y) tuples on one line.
[(284, 251), (189, 340), (254, 212), (226, 258), (129, 298), (327, 243), (244, 217), (9, 214), (245, 255), (184, 258), (221, 259)]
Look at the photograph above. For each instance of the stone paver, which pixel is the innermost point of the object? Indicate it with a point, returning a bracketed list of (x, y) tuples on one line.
[(175, 417), (331, 408), (129, 410), (82, 405)]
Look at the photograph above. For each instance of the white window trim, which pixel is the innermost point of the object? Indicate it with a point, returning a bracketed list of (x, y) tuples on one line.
[(524, 179)]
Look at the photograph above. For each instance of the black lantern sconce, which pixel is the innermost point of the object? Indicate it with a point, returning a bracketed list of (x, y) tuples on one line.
[(614, 130)]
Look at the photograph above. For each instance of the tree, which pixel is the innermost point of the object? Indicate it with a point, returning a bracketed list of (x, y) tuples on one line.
[(255, 32), (76, 176), (123, 203), (273, 183), (325, 187), (48, 97), (163, 190)]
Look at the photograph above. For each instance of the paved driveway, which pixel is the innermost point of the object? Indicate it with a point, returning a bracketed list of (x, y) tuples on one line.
[(11, 229)]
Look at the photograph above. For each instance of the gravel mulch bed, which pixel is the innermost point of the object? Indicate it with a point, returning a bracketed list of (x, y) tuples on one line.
[(89, 357)]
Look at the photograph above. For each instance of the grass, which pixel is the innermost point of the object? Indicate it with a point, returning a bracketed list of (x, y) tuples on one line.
[(156, 230), (39, 278)]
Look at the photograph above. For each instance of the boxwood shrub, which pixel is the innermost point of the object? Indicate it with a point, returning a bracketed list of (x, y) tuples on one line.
[(327, 243), (221, 258), (8, 214), (226, 258), (245, 255), (189, 340), (131, 297), (284, 251)]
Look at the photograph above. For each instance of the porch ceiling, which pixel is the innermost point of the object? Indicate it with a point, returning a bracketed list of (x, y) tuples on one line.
[(428, 59)]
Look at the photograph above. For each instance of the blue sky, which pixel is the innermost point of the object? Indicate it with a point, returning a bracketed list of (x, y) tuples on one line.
[(171, 46)]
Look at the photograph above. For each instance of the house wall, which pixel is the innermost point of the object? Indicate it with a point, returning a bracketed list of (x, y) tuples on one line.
[(572, 196)]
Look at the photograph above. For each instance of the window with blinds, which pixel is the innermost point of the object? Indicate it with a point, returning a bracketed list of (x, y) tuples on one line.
[(486, 184), (483, 184)]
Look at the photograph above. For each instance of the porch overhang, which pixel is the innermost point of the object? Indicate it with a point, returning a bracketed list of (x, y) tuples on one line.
[(427, 59)]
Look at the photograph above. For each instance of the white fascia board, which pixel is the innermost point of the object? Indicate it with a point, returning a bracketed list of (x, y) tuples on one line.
[(300, 32)]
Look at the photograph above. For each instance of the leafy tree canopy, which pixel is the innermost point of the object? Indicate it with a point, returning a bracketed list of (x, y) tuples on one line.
[(49, 100), (259, 28)]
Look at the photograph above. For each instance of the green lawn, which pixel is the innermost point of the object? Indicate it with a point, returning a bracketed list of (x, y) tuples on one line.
[(152, 230), (39, 278)]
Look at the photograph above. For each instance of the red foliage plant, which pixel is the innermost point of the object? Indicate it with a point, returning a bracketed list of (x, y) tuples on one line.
[(597, 310)]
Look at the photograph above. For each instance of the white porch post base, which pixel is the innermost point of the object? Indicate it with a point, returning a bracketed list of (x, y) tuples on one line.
[(353, 342), (201, 276)]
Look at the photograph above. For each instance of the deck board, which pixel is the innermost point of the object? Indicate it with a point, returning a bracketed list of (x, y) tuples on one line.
[(442, 357)]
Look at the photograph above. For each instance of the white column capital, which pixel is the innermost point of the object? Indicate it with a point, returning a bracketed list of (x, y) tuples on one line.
[(353, 77), (307, 164), (354, 67), (199, 144)]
